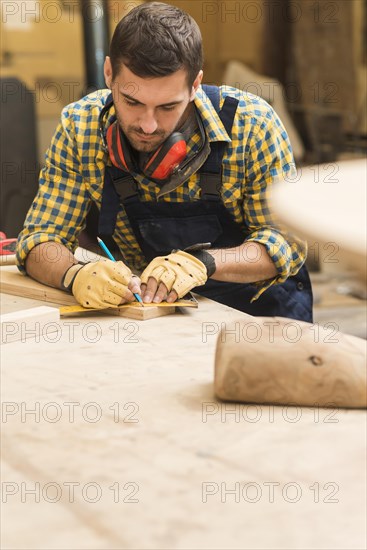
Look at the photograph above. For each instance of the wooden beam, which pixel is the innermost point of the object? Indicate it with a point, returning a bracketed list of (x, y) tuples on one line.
[(13, 282)]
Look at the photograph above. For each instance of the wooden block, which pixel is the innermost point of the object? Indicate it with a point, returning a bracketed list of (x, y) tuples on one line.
[(142, 313), (282, 361), (29, 323), (13, 282)]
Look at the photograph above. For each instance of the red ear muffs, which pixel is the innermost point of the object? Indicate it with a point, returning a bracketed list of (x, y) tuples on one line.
[(159, 166), (170, 155)]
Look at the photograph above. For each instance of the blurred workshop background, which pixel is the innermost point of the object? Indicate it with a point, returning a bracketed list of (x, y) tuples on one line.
[(307, 58)]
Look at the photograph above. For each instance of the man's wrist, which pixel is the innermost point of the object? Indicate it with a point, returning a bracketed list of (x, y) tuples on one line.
[(207, 259), (69, 276)]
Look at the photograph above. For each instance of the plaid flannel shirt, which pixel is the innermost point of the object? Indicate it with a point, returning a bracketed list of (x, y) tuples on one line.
[(258, 153)]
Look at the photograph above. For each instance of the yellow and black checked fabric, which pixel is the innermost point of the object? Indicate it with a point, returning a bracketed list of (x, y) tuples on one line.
[(258, 153)]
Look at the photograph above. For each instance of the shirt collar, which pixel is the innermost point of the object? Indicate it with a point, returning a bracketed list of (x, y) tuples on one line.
[(211, 121)]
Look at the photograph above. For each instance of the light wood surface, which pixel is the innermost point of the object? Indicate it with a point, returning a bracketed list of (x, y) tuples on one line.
[(164, 440), (20, 325), (277, 360)]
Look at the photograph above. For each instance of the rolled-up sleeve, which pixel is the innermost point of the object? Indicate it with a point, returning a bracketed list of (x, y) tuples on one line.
[(59, 209), (269, 158)]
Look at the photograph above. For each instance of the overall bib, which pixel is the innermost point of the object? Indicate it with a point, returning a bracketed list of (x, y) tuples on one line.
[(160, 227)]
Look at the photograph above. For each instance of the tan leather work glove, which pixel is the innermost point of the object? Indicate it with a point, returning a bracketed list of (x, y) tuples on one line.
[(99, 284), (179, 271)]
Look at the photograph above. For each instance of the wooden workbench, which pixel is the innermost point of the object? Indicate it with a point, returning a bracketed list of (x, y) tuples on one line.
[(125, 415)]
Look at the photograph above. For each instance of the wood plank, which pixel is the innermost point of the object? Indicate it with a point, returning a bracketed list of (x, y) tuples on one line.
[(313, 206), (13, 282), (141, 313)]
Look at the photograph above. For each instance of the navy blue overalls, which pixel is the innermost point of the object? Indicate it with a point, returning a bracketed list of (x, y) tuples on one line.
[(160, 227)]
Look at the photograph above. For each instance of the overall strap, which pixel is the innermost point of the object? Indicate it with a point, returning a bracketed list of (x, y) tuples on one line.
[(118, 186), (109, 100), (211, 171)]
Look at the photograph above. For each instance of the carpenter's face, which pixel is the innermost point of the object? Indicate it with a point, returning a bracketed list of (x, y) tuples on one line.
[(150, 109)]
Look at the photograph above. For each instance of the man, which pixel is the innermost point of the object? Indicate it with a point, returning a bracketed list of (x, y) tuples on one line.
[(179, 173)]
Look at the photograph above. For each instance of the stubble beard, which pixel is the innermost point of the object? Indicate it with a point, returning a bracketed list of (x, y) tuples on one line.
[(132, 134)]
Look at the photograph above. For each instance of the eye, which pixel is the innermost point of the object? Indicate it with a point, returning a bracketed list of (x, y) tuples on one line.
[(169, 107), (130, 103)]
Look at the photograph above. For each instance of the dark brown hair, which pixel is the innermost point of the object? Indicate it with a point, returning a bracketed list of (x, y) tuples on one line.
[(157, 39)]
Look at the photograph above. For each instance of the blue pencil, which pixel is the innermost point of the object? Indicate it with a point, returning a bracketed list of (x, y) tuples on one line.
[(104, 247)]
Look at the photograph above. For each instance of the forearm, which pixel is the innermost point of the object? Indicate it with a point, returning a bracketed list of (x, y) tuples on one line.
[(48, 262), (246, 263)]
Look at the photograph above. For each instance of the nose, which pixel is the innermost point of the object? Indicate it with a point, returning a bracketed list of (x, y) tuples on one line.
[(148, 123)]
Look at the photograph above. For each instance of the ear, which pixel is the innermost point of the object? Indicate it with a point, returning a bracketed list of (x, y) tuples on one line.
[(196, 85), (107, 70)]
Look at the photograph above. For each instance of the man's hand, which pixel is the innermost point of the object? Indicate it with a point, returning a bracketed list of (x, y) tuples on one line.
[(101, 284), (171, 277)]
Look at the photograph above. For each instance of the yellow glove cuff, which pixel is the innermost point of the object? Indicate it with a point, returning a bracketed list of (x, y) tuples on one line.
[(99, 284)]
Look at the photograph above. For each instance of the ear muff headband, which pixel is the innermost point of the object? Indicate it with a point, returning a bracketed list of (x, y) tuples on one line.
[(119, 148)]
